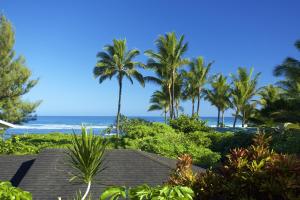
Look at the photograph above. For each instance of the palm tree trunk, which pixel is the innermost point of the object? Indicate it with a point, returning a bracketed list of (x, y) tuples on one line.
[(235, 118), (119, 106), (170, 99), (243, 120), (173, 93), (177, 108), (193, 106), (165, 112), (218, 123), (198, 103), (222, 118)]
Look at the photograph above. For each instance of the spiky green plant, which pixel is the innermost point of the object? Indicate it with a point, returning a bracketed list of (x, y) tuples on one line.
[(117, 61), (85, 156)]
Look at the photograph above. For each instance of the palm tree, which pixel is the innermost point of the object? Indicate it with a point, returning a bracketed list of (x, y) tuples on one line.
[(196, 78), (244, 88), (268, 95), (117, 61), (219, 96), (160, 101), (189, 87), (166, 62), (290, 69)]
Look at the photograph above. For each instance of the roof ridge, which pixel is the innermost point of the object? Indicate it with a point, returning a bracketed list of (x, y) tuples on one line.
[(147, 155)]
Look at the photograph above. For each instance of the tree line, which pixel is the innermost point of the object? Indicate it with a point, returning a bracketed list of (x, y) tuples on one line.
[(181, 78)]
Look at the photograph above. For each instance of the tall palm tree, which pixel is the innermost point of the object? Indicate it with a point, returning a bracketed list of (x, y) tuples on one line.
[(219, 96), (160, 101), (189, 87), (200, 72), (117, 61), (290, 69), (167, 60), (244, 88)]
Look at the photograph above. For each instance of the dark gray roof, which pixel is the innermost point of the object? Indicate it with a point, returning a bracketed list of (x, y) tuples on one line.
[(47, 175)]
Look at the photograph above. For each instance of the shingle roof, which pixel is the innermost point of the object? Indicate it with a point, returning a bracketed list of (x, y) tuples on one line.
[(48, 176)]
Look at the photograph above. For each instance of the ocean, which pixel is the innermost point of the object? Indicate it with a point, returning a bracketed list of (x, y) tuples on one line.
[(68, 124)]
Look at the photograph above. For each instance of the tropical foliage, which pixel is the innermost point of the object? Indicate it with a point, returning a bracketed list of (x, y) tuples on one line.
[(117, 61), (243, 90), (281, 104), (256, 172), (85, 157), (145, 192), (195, 80), (14, 79), (219, 96), (165, 62), (8, 192)]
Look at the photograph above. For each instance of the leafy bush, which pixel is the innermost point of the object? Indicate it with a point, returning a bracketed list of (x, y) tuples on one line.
[(224, 142), (187, 124), (145, 192), (8, 192), (162, 139), (255, 172), (287, 141), (34, 143)]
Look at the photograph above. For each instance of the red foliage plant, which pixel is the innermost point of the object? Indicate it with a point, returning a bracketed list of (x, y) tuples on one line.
[(256, 172)]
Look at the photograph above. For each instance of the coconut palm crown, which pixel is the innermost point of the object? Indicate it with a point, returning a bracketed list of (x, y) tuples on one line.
[(167, 60)]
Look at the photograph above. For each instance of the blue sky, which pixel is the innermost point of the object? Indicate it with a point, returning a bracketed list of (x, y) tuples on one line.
[(60, 39)]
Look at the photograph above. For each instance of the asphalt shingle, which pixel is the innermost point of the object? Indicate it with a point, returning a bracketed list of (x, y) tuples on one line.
[(49, 174)]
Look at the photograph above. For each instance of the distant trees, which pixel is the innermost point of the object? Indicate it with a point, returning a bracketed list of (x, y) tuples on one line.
[(117, 61), (244, 88), (219, 96), (195, 79), (14, 79)]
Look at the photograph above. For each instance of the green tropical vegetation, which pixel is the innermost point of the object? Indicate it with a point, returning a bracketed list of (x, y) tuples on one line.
[(146, 192), (85, 155), (117, 61), (8, 192)]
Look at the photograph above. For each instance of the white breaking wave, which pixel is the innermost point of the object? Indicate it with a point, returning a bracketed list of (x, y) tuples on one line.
[(58, 126)]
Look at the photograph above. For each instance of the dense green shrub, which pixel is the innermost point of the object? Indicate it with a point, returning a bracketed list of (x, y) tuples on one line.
[(287, 141), (34, 143), (162, 139), (145, 192), (224, 142), (8, 192), (188, 124)]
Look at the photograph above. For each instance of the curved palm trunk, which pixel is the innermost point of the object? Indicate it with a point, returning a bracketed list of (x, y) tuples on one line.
[(198, 102), (119, 106), (235, 118), (218, 124)]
